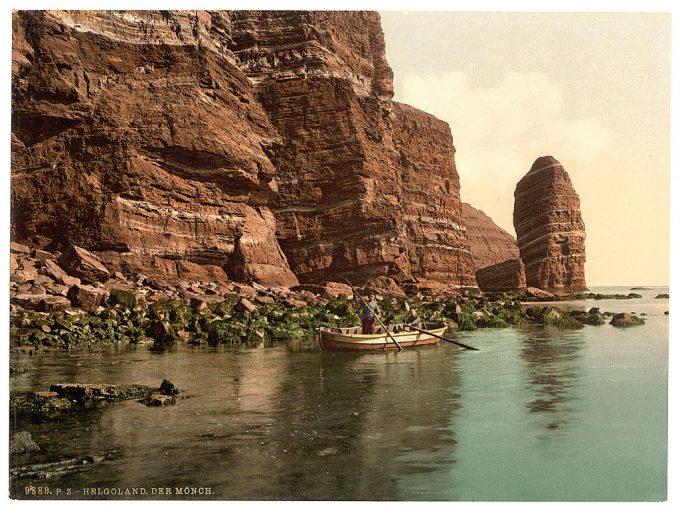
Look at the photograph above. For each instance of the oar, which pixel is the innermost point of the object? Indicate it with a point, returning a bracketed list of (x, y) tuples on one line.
[(374, 315), (441, 337)]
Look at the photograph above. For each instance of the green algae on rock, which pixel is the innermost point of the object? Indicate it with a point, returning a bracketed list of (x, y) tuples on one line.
[(626, 320)]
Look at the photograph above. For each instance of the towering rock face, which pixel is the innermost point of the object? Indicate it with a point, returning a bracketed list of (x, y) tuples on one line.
[(136, 135), (352, 165), (254, 145), (550, 230), (437, 245), (488, 242)]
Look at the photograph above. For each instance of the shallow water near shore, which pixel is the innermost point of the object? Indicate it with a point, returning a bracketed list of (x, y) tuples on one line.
[(536, 414)]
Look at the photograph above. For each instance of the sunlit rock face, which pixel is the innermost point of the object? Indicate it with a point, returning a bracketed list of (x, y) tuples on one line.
[(550, 230), (253, 145)]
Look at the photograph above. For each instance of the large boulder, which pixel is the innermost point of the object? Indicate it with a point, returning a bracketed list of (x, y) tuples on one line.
[(86, 297), (53, 270), (18, 248), (44, 303), (626, 320), (506, 276), (329, 288), (83, 264)]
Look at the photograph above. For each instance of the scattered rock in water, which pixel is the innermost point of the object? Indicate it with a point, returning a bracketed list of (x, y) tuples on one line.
[(665, 312), (662, 296), (157, 400), (94, 394), (59, 468), (167, 388), (538, 294), (22, 443), (72, 396), (594, 319), (626, 320)]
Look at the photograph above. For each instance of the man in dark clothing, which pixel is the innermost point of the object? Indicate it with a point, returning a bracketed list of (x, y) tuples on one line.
[(369, 311), (413, 319)]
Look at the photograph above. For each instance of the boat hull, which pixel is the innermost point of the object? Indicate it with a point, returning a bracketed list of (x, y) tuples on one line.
[(330, 339)]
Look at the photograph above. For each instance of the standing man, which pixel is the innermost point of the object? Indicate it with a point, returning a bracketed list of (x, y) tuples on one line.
[(369, 310)]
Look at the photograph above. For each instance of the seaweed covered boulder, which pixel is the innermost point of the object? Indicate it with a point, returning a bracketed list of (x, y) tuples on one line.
[(174, 310), (123, 298), (65, 397), (591, 317), (552, 316), (227, 332), (626, 320), (22, 443), (162, 332)]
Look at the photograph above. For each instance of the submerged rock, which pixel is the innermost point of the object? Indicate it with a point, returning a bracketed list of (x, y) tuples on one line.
[(66, 397), (158, 400)]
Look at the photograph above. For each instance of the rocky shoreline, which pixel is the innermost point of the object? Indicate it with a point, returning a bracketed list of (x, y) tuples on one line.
[(71, 301)]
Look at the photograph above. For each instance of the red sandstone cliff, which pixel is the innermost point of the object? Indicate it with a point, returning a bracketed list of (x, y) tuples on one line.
[(437, 245), (550, 229), (251, 144), (488, 242), (137, 136)]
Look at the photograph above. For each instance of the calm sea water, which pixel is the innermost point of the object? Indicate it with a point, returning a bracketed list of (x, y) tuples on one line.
[(536, 414)]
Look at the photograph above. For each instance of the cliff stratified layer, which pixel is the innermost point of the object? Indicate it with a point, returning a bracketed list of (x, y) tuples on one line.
[(438, 246), (258, 145), (137, 136), (352, 164), (488, 242), (550, 230)]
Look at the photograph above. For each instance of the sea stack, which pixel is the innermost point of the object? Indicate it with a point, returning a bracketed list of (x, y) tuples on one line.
[(550, 230)]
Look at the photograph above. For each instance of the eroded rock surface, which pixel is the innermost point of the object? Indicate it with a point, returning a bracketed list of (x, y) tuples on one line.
[(550, 230), (506, 276), (234, 145), (489, 243), (137, 136)]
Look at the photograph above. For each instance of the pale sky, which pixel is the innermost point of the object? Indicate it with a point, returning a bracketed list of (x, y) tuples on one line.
[(592, 90)]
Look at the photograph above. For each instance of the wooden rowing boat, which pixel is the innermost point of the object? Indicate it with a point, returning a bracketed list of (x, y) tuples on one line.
[(350, 338)]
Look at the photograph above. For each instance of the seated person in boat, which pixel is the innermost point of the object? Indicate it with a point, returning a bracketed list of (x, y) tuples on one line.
[(369, 311), (413, 319)]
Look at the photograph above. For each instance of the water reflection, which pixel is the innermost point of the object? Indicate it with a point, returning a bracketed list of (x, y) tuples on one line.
[(286, 422), (553, 360)]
